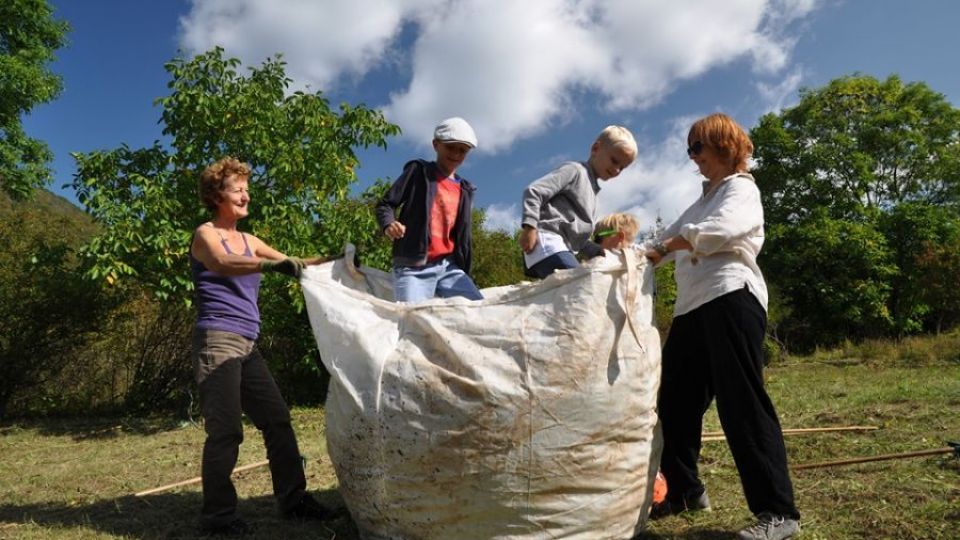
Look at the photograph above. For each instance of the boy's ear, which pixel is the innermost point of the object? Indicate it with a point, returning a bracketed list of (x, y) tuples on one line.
[(621, 238)]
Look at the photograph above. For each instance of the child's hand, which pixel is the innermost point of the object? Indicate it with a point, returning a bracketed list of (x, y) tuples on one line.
[(395, 230), (528, 239)]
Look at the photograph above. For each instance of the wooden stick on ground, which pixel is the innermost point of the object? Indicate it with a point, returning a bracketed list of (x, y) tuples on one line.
[(718, 435), (197, 479), (948, 449)]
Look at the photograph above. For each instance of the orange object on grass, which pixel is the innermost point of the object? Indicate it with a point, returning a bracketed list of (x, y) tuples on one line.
[(659, 488)]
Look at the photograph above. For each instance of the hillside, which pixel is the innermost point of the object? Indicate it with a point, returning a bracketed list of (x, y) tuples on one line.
[(64, 218)]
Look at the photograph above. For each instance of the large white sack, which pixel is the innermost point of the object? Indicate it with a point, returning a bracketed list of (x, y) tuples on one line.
[(527, 415)]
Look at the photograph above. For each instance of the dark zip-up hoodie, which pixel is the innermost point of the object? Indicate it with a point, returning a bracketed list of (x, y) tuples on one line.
[(413, 194)]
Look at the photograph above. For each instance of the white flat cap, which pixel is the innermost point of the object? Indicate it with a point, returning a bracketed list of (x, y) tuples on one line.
[(455, 129)]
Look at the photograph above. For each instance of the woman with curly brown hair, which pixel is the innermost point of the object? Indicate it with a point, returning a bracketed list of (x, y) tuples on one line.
[(233, 378)]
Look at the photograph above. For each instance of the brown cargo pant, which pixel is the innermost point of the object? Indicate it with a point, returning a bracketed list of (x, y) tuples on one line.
[(234, 379)]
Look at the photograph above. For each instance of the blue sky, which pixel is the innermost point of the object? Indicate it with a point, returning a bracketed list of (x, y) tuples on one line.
[(538, 79)]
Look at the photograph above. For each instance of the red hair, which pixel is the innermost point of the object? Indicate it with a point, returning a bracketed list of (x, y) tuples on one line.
[(725, 136)]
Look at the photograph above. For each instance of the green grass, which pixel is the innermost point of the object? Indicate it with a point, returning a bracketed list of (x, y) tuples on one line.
[(66, 479)]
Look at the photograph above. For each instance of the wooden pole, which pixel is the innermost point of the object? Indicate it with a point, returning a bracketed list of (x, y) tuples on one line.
[(718, 435), (883, 457), (197, 479)]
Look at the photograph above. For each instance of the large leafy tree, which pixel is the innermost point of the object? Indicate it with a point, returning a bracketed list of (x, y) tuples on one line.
[(920, 236), (301, 152), (858, 144), (28, 37), (496, 259), (939, 265), (877, 165), (302, 156), (835, 276)]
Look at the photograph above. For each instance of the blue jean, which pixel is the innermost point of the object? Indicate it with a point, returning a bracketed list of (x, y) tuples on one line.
[(558, 261), (441, 278)]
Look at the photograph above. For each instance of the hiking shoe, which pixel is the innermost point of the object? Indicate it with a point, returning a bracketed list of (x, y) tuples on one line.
[(668, 508), (236, 529), (770, 527), (309, 508)]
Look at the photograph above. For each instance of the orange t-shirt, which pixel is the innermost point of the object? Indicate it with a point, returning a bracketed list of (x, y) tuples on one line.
[(443, 215)]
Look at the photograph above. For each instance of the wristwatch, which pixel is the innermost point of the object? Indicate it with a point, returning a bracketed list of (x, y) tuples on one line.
[(660, 248)]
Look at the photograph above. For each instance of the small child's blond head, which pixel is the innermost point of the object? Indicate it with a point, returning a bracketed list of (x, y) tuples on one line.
[(616, 230)]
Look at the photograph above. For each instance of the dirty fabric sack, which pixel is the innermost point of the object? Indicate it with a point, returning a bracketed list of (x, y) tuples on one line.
[(529, 414)]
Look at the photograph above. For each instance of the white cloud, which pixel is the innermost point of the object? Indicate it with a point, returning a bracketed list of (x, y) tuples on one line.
[(653, 45), (503, 65), (320, 41), (511, 68), (502, 217), (778, 96)]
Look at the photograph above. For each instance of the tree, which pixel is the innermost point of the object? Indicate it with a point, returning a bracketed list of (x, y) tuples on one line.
[(301, 153), (939, 267), (302, 158), (28, 37), (876, 163), (917, 234), (856, 145), (47, 311), (834, 277), (497, 259)]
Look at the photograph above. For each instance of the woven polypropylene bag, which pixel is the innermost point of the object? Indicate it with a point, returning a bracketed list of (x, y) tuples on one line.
[(529, 414)]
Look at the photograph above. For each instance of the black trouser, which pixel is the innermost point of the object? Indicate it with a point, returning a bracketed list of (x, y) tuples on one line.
[(716, 350), (234, 379)]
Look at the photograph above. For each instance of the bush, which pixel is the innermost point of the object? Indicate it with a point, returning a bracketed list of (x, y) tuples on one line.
[(47, 311)]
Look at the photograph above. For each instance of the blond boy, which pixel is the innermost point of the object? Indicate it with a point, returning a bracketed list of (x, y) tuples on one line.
[(559, 209)]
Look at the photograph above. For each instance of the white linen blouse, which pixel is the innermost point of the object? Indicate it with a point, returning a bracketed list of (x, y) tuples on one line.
[(725, 228)]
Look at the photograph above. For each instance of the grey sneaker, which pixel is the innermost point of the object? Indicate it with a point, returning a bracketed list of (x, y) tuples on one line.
[(770, 527)]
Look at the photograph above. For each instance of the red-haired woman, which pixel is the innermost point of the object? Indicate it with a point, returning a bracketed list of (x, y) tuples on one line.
[(715, 345)]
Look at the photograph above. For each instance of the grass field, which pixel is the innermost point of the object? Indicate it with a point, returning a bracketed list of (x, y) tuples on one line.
[(66, 479)]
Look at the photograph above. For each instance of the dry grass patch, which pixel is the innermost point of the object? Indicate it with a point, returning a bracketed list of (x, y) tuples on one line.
[(76, 479)]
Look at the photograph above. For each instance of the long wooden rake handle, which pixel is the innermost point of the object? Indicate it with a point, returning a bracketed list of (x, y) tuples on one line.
[(197, 479), (883, 457), (718, 435)]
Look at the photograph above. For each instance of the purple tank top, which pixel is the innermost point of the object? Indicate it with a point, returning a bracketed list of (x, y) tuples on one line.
[(227, 303)]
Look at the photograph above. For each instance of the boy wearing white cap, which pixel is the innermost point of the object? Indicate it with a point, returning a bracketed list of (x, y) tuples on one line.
[(432, 232)]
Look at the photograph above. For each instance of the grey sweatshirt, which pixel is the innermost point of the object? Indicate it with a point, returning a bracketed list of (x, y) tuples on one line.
[(563, 202)]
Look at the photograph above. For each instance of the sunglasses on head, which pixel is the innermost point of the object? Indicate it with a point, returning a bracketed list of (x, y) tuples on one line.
[(695, 148), (603, 234)]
